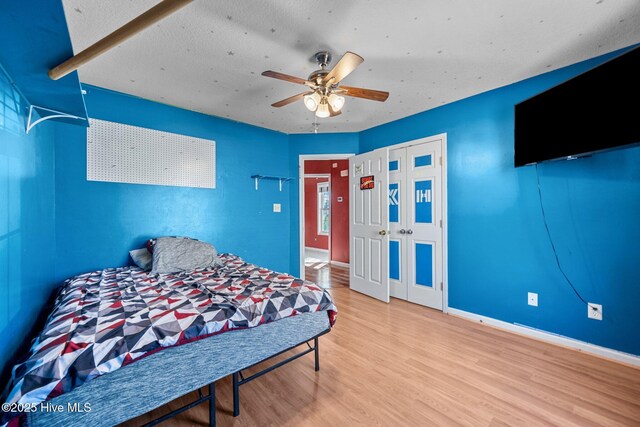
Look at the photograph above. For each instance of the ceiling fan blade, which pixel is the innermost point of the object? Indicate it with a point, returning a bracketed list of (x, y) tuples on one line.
[(343, 68), (291, 99), (286, 77), (358, 92)]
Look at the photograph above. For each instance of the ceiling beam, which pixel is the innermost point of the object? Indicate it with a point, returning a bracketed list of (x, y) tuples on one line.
[(148, 18)]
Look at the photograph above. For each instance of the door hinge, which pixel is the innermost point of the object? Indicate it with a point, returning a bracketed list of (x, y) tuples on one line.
[(440, 161), (440, 223), (440, 285)]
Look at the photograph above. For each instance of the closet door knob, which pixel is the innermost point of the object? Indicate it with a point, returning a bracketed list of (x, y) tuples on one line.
[(409, 231), (382, 232), (402, 231)]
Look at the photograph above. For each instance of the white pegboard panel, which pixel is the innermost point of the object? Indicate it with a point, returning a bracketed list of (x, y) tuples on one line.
[(135, 155)]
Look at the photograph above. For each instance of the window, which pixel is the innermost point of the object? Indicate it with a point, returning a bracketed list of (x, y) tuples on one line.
[(324, 208)]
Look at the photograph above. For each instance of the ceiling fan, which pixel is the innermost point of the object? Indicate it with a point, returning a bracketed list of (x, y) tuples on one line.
[(325, 94)]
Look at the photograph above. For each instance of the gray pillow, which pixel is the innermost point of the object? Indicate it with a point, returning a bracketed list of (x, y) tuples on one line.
[(174, 254), (142, 258)]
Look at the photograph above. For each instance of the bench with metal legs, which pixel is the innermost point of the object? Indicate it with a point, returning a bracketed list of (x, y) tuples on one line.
[(239, 379), (211, 398)]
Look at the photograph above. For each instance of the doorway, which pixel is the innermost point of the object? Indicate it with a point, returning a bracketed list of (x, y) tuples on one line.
[(317, 219), (324, 217)]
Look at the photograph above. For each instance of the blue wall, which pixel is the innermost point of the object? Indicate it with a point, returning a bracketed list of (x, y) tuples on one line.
[(498, 247), (27, 222), (97, 223), (299, 144), (54, 223)]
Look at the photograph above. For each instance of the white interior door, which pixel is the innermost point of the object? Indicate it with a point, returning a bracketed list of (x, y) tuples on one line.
[(369, 224), (424, 232), (397, 224)]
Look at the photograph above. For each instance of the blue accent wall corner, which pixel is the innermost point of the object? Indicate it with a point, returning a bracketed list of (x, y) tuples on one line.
[(27, 221), (97, 223)]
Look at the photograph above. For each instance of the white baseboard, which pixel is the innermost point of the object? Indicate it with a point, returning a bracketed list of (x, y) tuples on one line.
[(550, 337), (309, 248), (339, 263)]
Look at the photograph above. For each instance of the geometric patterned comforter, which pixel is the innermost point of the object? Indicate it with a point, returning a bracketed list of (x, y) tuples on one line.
[(107, 319)]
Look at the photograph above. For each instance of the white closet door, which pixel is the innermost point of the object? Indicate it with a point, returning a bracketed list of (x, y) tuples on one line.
[(397, 224), (369, 225), (424, 224)]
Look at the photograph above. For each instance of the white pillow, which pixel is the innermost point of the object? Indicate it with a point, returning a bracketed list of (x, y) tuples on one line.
[(174, 254), (142, 258)]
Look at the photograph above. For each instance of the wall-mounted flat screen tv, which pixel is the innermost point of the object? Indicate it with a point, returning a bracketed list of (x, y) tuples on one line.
[(595, 111)]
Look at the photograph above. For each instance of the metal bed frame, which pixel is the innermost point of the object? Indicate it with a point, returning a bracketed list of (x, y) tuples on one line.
[(239, 379)]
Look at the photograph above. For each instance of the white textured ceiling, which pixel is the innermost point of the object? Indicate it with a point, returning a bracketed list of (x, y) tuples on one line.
[(208, 56)]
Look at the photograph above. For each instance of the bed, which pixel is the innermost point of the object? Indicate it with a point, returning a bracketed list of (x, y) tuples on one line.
[(121, 342)]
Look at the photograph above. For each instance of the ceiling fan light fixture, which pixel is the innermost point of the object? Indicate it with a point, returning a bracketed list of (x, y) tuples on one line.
[(312, 101), (323, 109), (323, 95), (336, 101)]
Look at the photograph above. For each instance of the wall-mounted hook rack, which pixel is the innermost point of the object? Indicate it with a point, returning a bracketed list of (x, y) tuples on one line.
[(53, 114), (280, 179)]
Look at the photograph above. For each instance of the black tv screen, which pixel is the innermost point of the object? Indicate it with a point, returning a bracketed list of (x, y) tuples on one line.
[(595, 111)]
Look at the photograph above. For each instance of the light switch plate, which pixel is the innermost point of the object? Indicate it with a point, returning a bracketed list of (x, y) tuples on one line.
[(532, 299), (277, 207)]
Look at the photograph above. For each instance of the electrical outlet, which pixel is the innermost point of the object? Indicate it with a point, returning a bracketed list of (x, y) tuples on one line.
[(532, 299), (594, 311), (277, 207)]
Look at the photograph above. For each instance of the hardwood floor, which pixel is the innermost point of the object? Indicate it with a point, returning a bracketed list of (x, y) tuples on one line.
[(328, 276), (400, 364)]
